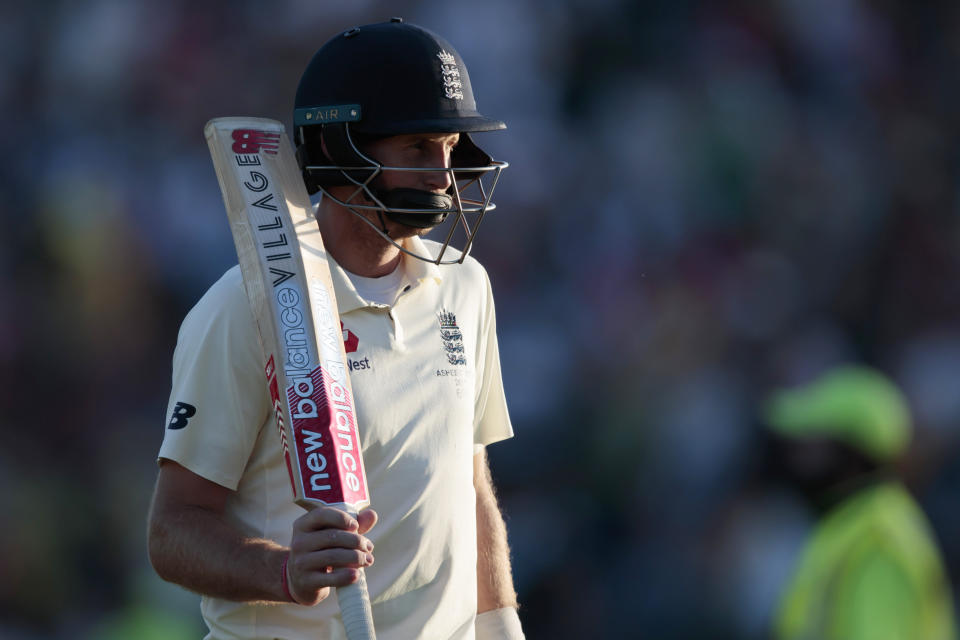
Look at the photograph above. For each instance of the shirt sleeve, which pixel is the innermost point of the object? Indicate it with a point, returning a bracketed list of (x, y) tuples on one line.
[(218, 401), (492, 422)]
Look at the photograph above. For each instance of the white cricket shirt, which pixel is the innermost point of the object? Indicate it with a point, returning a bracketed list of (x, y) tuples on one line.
[(427, 386)]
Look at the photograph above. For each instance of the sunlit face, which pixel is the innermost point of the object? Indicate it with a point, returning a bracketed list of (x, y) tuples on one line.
[(414, 150)]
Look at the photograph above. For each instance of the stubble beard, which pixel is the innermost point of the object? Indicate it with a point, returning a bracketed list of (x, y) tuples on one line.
[(373, 243)]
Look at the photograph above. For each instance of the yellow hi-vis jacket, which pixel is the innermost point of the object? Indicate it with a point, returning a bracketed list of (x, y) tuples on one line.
[(870, 571)]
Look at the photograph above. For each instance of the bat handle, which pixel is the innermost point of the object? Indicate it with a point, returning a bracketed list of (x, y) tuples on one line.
[(355, 609)]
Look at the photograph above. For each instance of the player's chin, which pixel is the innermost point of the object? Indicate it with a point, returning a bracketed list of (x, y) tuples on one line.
[(401, 231), (423, 231)]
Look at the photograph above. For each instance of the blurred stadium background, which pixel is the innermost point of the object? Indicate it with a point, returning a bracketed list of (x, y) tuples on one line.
[(705, 199)]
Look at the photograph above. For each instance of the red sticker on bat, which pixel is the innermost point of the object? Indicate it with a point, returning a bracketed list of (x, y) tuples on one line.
[(327, 442), (250, 141), (271, 371)]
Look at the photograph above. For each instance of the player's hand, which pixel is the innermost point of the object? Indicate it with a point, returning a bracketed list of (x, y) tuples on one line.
[(327, 550)]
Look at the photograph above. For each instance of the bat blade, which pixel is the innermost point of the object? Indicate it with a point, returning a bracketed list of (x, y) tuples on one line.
[(287, 279)]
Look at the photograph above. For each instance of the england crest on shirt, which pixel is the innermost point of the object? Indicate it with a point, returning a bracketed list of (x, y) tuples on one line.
[(452, 338)]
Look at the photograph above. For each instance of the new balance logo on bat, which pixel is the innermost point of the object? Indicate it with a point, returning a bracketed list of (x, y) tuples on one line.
[(249, 141)]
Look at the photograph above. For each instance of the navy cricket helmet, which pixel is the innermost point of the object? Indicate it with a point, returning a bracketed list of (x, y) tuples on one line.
[(388, 79)]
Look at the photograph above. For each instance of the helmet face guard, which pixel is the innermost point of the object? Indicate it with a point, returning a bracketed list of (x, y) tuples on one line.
[(384, 80), (468, 199)]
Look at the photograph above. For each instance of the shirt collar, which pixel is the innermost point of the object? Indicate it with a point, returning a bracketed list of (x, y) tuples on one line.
[(416, 272)]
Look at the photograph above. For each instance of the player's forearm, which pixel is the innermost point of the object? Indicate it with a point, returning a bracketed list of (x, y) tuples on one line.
[(494, 578), (198, 550)]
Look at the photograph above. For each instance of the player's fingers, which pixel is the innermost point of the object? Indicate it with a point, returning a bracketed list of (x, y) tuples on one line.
[(309, 595), (366, 519), (311, 575), (319, 583), (303, 584), (325, 518), (324, 561), (305, 542)]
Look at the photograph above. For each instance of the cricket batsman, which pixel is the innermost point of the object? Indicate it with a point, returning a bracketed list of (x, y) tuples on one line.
[(383, 124)]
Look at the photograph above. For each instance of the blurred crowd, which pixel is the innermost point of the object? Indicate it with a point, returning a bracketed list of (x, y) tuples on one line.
[(705, 200)]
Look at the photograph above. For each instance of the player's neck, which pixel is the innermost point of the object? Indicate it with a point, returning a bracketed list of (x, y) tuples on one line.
[(354, 245)]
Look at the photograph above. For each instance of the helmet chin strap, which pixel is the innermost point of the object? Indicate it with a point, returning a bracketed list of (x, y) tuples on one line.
[(405, 198)]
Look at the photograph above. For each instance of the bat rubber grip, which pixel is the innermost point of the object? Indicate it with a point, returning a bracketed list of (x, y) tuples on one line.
[(355, 609)]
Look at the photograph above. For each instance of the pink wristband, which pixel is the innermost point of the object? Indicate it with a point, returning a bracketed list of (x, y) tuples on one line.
[(286, 586)]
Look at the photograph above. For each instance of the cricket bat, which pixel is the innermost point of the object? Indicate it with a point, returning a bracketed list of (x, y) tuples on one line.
[(287, 279)]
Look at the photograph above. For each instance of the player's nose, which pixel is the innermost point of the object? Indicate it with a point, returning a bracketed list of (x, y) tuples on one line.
[(439, 181), (442, 179)]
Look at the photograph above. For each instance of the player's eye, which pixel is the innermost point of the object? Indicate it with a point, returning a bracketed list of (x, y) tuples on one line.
[(428, 147), (418, 147)]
